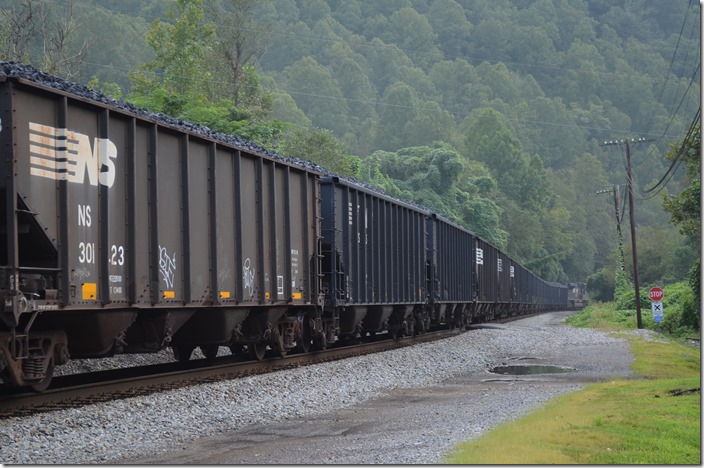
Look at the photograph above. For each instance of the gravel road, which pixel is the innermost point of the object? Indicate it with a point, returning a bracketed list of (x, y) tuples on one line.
[(404, 406)]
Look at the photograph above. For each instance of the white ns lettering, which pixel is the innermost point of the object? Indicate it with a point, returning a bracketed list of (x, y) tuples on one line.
[(62, 154)]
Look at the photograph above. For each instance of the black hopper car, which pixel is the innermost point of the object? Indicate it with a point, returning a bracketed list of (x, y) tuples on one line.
[(125, 231)]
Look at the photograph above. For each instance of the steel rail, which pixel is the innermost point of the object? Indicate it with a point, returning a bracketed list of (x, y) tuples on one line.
[(78, 390)]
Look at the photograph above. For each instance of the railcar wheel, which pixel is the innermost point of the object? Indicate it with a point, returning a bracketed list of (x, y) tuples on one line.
[(322, 341), (182, 353), (281, 350), (257, 350), (210, 351), (303, 343), (46, 381)]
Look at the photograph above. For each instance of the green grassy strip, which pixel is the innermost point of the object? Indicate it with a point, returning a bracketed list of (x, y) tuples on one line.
[(652, 420)]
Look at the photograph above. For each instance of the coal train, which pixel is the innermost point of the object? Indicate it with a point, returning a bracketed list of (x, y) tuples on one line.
[(125, 231)]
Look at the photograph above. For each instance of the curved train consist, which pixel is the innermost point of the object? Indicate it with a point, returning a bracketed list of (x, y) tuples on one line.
[(127, 232)]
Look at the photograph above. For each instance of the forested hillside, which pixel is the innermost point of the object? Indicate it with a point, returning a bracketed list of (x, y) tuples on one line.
[(493, 112)]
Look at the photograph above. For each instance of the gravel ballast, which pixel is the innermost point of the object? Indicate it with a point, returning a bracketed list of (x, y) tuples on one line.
[(153, 426)]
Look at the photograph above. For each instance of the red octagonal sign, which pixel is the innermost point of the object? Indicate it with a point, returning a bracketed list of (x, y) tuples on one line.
[(656, 294)]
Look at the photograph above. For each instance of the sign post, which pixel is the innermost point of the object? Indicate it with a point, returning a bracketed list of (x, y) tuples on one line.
[(656, 296)]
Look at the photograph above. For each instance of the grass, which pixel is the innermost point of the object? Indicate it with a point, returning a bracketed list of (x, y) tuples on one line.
[(604, 317), (651, 420)]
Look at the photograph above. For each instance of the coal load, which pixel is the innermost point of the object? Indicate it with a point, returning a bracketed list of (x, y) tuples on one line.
[(29, 73)]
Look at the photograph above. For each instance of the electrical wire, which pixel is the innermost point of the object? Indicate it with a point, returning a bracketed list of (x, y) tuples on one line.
[(674, 114), (669, 70), (676, 162)]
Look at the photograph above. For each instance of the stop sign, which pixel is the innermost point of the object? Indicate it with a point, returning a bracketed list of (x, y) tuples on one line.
[(656, 294)]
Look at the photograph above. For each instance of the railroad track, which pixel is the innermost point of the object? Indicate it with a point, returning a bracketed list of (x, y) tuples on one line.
[(77, 390)]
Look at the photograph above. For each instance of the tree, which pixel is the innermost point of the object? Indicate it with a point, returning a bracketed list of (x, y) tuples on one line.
[(586, 67), (386, 62), (351, 72), (442, 180), (451, 26), (399, 106), (313, 10), (592, 216), (240, 42), (361, 97), (485, 36), (413, 33), (685, 211), (323, 148), (179, 81), (285, 109), (318, 94), (179, 73), (18, 26), (63, 51), (457, 83), (109, 89), (349, 13), (288, 46), (431, 123), (521, 177), (111, 60)]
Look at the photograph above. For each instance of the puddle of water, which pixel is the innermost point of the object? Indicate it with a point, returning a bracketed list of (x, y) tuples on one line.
[(530, 370)]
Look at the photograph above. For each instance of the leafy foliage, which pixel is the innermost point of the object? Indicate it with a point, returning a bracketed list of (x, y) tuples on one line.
[(181, 53), (601, 286), (179, 80), (442, 180), (322, 148), (685, 211), (685, 208)]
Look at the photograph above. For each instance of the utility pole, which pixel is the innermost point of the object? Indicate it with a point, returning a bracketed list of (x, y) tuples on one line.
[(629, 181), (617, 207)]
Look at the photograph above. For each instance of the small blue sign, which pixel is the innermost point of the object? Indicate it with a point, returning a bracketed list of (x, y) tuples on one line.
[(657, 318)]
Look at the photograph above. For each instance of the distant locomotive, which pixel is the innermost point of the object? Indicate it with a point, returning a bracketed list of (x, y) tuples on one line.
[(128, 232), (577, 296)]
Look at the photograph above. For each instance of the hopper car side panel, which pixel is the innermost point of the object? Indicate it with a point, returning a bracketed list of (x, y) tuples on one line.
[(451, 271), (374, 258), (70, 188), (486, 279)]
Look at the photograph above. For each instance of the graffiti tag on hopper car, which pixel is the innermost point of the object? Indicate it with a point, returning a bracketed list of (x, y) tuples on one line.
[(248, 276), (167, 266), (62, 154)]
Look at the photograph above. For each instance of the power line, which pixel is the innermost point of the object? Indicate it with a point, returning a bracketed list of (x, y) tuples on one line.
[(686, 57), (679, 157), (672, 118), (669, 70)]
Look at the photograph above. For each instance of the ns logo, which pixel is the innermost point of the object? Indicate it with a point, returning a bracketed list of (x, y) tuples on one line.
[(61, 154)]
